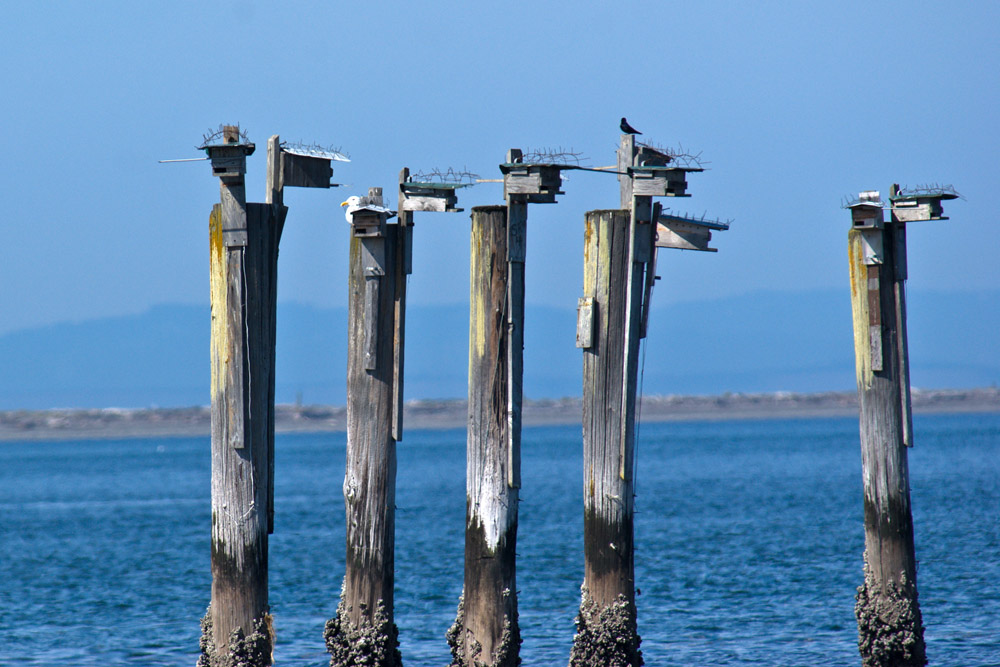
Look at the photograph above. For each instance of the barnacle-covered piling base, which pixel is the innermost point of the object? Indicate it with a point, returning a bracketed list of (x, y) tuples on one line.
[(890, 630), (507, 654), (606, 636), (372, 644), (253, 650)]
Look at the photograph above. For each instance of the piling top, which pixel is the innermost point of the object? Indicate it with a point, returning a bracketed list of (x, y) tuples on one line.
[(492, 208)]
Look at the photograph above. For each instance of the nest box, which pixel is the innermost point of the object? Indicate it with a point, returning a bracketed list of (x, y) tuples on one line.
[(659, 181), (866, 213), (538, 182), (912, 208), (674, 231), (303, 170), (368, 221), (229, 160), (416, 196)]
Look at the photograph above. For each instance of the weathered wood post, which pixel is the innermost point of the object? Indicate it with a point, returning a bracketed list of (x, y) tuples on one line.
[(243, 243), (608, 331), (890, 628), (363, 631), (486, 630), (619, 272)]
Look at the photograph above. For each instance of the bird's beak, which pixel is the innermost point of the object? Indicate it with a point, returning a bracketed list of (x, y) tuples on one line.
[(343, 203)]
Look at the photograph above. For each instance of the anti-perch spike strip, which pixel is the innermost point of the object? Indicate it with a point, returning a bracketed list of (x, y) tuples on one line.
[(928, 189), (318, 150), (680, 155), (435, 175), (560, 156), (211, 137)]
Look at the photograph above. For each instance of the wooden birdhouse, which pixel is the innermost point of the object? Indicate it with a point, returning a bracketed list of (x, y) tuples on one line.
[(659, 181), (369, 222), (674, 231), (433, 196), (299, 169), (229, 158), (540, 183), (866, 212), (916, 207)]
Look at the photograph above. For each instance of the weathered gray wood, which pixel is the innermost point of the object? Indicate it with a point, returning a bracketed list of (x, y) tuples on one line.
[(890, 630), (363, 631), (486, 631), (404, 267), (639, 251), (684, 236), (661, 183), (242, 279), (517, 229), (902, 342), (608, 603), (585, 322), (275, 197), (626, 158), (305, 171)]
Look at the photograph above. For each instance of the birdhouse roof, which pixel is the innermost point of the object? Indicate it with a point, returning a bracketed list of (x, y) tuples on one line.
[(714, 225), (372, 209), (325, 153)]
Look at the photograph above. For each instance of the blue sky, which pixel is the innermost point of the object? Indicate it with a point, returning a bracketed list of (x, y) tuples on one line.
[(795, 105)]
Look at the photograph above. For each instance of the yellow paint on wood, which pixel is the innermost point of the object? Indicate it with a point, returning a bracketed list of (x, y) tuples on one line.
[(219, 299), (477, 320), (859, 308), (589, 257)]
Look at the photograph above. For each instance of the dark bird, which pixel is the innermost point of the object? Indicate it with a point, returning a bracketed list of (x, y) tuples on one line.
[(628, 129)]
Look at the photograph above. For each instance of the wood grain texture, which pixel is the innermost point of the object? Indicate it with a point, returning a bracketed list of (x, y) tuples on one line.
[(274, 197), (370, 476), (243, 325), (404, 266), (490, 594), (626, 159), (608, 373), (890, 559)]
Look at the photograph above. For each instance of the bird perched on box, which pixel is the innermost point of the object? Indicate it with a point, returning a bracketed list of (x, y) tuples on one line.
[(353, 203), (628, 129)]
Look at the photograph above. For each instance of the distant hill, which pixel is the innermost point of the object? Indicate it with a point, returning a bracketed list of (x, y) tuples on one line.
[(759, 342)]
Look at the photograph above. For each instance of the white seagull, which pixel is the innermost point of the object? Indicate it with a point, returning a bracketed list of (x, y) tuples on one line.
[(353, 204)]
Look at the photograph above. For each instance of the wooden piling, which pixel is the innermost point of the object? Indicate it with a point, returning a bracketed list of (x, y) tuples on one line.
[(486, 631), (608, 329), (243, 243), (890, 630), (363, 631)]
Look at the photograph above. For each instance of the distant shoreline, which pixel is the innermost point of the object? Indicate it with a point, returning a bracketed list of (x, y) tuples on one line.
[(109, 423)]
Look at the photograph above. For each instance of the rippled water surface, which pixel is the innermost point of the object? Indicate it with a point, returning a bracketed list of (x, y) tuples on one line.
[(748, 534)]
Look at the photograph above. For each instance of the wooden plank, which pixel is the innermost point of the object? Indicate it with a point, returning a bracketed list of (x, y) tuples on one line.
[(898, 235), (516, 247), (585, 322), (522, 184), (305, 171), (274, 197), (626, 159), (637, 253), (404, 267), (683, 239), (435, 203)]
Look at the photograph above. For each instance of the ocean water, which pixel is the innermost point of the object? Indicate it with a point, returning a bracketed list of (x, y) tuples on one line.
[(748, 544)]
